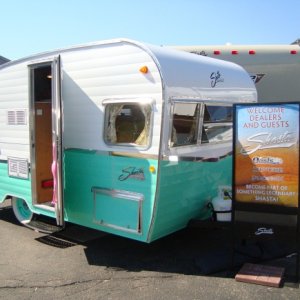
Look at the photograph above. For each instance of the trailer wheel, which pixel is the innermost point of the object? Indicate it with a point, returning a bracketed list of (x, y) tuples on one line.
[(21, 210)]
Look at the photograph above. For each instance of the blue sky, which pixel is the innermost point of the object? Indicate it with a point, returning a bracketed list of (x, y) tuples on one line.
[(33, 26)]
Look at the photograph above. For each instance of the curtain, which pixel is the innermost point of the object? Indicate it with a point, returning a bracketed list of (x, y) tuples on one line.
[(114, 111), (143, 138)]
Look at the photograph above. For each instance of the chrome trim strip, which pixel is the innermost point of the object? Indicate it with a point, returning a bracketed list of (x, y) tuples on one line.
[(165, 104), (202, 100), (200, 123), (192, 100), (134, 155), (112, 226), (45, 207), (140, 100), (118, 193), (127, 195), (196, 158), (118, 153), (57, 136)]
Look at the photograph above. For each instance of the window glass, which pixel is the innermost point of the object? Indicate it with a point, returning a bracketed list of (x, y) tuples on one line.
[(185, 124), (127, 124), (218, 114), (217, 124)]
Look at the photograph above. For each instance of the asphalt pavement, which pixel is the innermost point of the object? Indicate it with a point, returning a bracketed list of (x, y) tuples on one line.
[(84, 264)]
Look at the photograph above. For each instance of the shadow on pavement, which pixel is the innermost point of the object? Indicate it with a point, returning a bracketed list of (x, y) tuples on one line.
[(7, 215), (192, 251)]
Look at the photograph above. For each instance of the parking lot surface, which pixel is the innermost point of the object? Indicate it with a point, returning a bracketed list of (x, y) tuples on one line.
[(83, 264)]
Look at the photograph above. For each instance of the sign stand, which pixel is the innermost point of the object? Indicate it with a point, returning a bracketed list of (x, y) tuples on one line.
[(266, 203)]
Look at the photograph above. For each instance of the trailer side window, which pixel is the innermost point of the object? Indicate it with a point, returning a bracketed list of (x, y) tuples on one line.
[(185, 124), (217, 124), (127, 124)]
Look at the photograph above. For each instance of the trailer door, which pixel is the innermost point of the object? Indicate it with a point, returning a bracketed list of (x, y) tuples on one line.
[(46, 136), (57, 141)]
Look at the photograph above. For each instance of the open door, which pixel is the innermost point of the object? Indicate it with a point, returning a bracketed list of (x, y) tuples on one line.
[(46, 137)]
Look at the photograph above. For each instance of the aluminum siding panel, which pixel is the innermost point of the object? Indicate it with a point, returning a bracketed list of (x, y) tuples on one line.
[(93, 75), (14, 139)]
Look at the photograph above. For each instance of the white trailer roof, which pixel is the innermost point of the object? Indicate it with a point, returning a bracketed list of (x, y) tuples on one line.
[(183, 74), (196, 72)]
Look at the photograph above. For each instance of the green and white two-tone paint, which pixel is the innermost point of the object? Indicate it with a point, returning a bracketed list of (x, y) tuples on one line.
[(120, 136)]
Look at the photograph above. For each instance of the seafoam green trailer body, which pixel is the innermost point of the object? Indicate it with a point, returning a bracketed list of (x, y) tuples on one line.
[(119, 136)]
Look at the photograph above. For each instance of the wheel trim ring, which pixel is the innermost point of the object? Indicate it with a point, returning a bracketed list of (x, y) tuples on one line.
[(22, 211)]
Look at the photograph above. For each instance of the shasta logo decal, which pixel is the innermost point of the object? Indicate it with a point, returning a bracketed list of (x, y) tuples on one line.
[(203, 53), (215, 78), (263, 230), (132, 172)]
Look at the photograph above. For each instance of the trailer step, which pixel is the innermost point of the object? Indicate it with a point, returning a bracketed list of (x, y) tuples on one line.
[(42, 226), (54, 241)]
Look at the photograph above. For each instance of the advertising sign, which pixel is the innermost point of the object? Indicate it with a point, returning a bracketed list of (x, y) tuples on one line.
[(266, 154)]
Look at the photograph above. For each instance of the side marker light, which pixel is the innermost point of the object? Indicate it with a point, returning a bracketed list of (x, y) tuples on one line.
[(144, 70)]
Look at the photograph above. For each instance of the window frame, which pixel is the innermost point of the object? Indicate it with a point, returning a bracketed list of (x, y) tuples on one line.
[(216, 123), (200, 122), (137, 102)]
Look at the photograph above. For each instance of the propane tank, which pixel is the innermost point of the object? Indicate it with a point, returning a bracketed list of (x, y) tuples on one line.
[(222, 204)]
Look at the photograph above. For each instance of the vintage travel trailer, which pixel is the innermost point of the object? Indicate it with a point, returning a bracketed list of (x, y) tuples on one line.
[(119, 136), (275, 69)]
